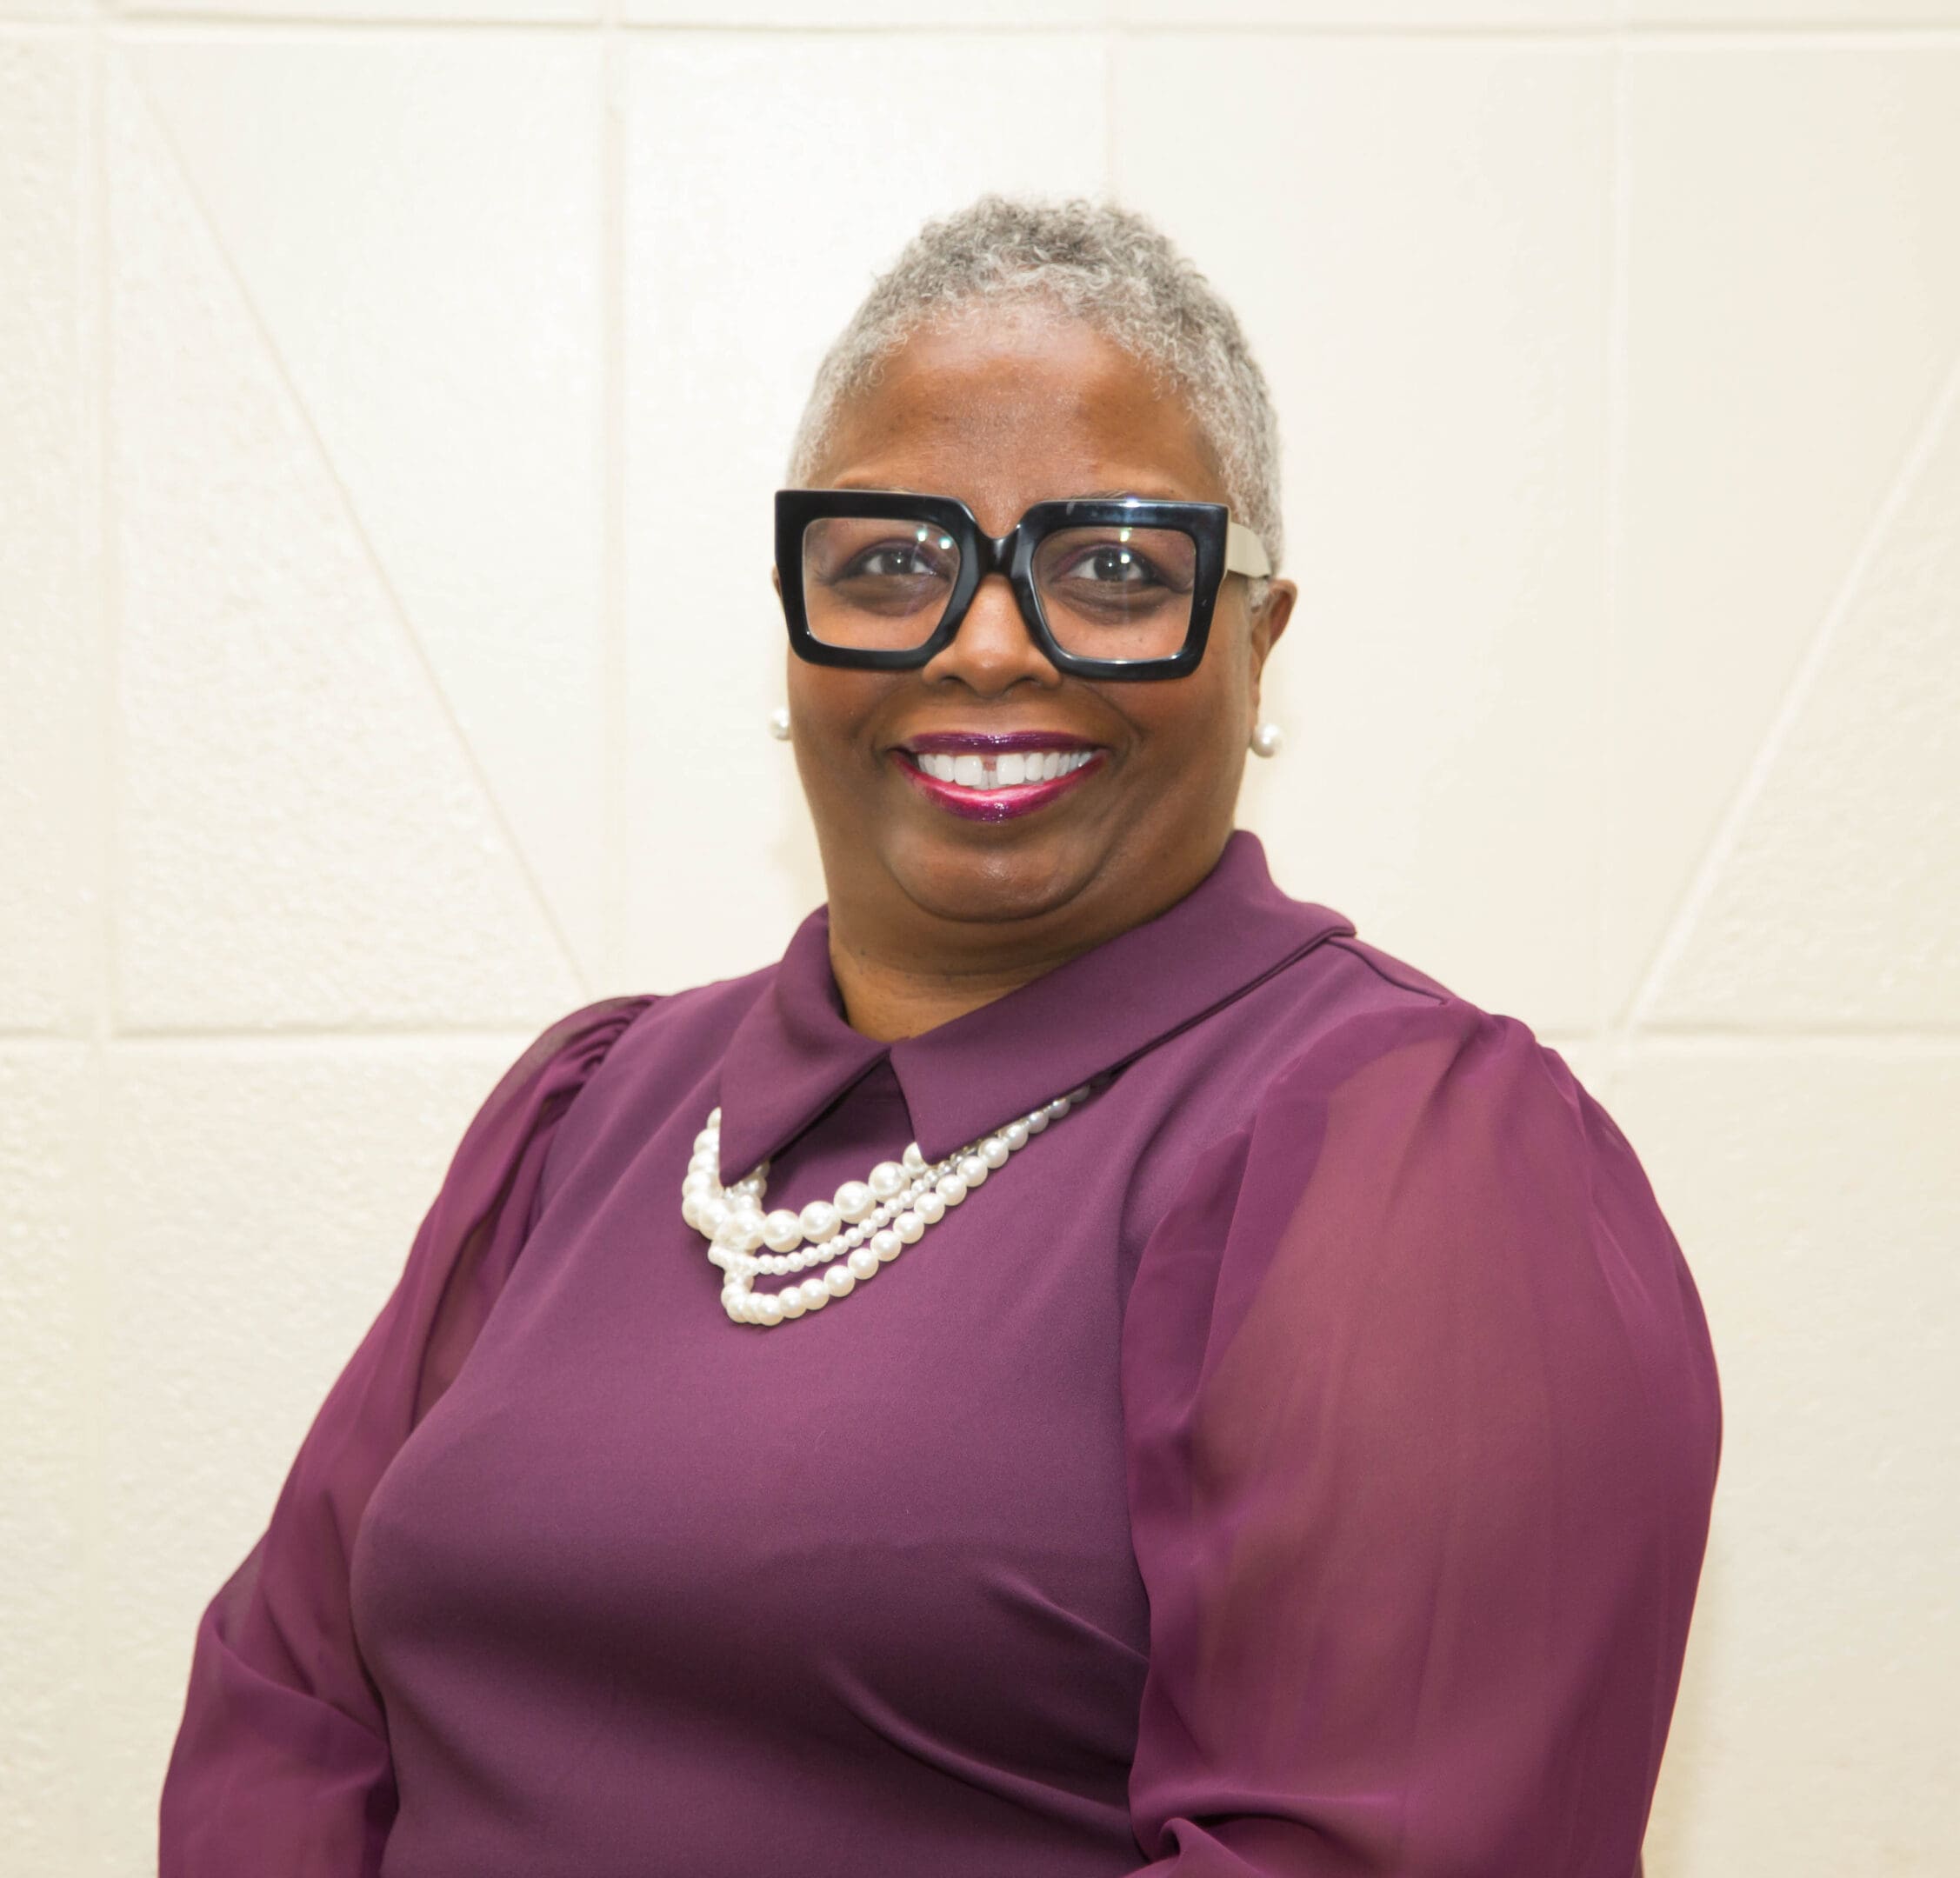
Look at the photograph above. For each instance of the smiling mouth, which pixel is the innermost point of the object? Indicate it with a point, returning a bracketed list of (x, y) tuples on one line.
[(994, 784), (1005, 771)]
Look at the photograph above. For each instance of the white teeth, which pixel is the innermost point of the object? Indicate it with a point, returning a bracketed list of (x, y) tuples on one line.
[(1008, 771)]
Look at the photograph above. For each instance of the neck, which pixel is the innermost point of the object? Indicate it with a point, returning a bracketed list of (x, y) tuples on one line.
[(902, 976), (888, 995)]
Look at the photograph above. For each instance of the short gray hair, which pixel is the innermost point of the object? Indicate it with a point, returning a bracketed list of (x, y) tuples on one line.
[(1097, 262)]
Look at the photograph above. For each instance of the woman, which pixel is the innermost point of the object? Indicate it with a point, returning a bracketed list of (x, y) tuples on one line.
[(1084, 1365)]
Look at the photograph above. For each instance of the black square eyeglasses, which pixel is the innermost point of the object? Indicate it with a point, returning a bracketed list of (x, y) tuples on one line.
[(880, 579)]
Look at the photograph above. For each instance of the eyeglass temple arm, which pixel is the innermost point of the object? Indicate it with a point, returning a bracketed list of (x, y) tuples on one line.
[(1245, 553)]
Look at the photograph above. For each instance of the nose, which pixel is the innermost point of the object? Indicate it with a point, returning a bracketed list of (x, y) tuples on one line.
[(993, 649)]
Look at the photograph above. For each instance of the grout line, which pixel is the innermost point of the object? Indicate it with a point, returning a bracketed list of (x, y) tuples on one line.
[(104, 601), (615, 664), (1850, 592), (1683, 37), (410, 637), (1113, 37), (1610, 690), (1906, 1043)]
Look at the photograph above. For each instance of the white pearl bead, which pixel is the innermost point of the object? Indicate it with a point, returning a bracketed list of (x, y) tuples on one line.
[(886, 1212), (853, 1200), (714, 1116)]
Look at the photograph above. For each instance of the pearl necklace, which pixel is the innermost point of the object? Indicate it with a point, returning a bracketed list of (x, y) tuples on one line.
[(867, 1224)]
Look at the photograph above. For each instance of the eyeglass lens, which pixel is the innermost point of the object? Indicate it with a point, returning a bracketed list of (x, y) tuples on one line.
[(875, 583)]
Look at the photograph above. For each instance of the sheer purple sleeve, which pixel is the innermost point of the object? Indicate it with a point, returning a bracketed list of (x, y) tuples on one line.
[(281, 1763), (1420, 1473)]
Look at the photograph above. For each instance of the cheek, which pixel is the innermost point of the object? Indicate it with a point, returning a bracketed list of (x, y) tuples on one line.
[(833, 713), (1190, 723)]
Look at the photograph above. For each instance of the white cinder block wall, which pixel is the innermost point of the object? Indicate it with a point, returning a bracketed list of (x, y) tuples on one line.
[(389, 398)]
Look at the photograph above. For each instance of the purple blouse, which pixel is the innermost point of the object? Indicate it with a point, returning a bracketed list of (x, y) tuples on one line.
[(1297, 1461)]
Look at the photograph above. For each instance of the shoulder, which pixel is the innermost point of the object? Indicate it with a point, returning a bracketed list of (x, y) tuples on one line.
[(680, 1033), (1351, 1013), (1398, 1132), (1424, 1207)]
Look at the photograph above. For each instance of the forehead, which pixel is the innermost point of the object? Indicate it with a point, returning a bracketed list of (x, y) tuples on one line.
[(1005, 406)]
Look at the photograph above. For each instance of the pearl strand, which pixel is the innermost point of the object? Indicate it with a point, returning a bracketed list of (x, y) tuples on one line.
[(867, 1223)]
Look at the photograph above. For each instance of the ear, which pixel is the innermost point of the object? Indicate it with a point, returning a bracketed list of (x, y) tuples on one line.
[(1271, 622)]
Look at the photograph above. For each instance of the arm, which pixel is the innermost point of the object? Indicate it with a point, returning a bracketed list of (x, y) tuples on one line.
[(281, 1763), (1420, 1467)]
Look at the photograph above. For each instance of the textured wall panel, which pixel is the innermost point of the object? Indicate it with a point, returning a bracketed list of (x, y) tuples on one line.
[(48, 1486), (1868, 14), (764, 193), (416, 222), (1794, 280), (260, 1211), (309, 838), (955, 16), (436, 12), (1813, 1193), (1837, 899), (50, 664), (1373, 15), (1415, 235)]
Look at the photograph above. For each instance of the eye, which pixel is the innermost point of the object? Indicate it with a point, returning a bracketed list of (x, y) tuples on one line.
[(1112, 564), (913, 559)]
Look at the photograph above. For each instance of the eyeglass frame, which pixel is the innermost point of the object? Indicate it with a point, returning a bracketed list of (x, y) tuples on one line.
[(1223, 545)]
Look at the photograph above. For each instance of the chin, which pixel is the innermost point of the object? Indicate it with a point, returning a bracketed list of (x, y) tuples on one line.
[(1021, 880)]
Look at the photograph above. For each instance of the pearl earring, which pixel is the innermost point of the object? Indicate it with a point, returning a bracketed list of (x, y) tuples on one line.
[(779, 723), (1267, 740)]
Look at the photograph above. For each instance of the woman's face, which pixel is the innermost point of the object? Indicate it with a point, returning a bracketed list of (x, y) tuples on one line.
[(1002, 409)]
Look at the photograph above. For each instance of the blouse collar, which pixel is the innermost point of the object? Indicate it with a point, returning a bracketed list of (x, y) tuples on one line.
[(793, 1054)]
